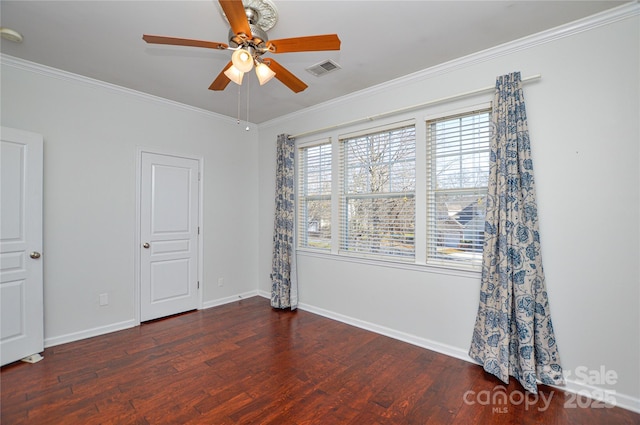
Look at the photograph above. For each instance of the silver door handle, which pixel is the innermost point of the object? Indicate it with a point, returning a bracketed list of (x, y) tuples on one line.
[(35, 255), (146, 245)]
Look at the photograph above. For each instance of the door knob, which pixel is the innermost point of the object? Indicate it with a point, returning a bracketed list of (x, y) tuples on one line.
[(145, 245), (35, 255)]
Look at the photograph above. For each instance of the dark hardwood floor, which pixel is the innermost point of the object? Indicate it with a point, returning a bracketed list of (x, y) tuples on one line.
[(245, 363)]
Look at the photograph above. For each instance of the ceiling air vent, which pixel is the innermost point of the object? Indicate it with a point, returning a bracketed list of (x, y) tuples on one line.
[(323, 68)]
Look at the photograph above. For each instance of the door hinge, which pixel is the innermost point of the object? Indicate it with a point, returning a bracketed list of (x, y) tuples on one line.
[(198, 284), (198, 175), (198, 229)]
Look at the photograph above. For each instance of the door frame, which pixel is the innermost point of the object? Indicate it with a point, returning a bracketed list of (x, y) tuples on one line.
[(137, 241)]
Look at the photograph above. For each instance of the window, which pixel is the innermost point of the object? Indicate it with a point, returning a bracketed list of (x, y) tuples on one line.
[(366, 195), (377, 207), (314, 196), (457, 172)]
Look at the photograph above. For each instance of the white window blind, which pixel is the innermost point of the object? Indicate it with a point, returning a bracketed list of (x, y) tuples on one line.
[(314, 196), (377, 205), (457, 172)]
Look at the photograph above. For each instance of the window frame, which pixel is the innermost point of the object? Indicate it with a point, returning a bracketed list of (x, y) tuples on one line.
[(300, 197), (419, 117), (480, 192), (345, 195)]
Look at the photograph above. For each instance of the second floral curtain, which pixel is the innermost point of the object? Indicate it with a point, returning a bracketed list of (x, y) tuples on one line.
[(513, 334)]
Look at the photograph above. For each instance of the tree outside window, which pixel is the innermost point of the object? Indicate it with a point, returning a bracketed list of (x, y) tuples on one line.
[(378, 196)]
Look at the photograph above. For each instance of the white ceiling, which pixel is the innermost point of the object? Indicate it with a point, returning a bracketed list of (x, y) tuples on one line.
[(381, 41)]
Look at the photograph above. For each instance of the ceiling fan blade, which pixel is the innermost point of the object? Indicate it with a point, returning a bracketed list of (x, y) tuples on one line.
[(237, 17), (159, 39), (221, 81), (310, 43), (286, 77)]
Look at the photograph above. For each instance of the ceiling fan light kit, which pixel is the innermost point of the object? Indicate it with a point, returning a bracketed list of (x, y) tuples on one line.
[(249, 21), (242, 60), (264, 73), (234, 75)]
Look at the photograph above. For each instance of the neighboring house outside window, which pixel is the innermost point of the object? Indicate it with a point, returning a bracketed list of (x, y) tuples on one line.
[(458, 172)]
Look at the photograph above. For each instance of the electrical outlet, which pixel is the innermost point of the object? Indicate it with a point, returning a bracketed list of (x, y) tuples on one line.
[(104, 299), (220, 282)]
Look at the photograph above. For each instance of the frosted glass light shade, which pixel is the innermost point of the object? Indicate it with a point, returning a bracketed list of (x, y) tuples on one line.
[(234, 74), (242, 60), (264, 73)]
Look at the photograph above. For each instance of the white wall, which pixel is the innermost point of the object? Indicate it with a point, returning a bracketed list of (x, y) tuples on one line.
[(91, 135), (583, 121)]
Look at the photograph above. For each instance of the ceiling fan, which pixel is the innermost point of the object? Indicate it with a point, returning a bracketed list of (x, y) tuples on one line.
[(249, 41)]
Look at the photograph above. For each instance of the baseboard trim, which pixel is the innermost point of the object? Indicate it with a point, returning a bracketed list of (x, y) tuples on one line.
[(574, 387), (227, 300), (89, 333), (114, 327), (580, 389), (391, 333), (599, 397)]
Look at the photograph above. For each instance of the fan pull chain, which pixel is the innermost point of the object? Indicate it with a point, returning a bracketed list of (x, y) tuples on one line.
[(239, 105), (248, 86)]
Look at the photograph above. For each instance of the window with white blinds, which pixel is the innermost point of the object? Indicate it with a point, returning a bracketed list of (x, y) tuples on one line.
[(314, 196), (377, 195), (364, 203), (457, 173)]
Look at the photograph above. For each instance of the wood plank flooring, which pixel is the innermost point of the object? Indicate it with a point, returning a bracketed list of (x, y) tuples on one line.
[(246, 363)]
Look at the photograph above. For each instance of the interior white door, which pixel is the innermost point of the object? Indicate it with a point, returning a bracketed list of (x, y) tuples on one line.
[(21, 289), (168, 234)]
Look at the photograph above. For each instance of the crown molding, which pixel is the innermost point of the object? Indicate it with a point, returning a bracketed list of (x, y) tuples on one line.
[(607, 17), (25, 65)]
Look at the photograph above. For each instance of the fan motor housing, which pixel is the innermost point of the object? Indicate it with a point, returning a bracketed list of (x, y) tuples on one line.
[(258, 41)]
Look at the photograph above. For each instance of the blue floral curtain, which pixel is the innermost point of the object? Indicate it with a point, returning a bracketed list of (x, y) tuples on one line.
[(284, 284), (513, 334)]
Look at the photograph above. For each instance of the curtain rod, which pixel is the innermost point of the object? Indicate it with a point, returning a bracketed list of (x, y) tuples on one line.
[(409, 108)]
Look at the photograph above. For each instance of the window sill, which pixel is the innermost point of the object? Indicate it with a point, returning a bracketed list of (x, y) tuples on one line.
[(425, 268)]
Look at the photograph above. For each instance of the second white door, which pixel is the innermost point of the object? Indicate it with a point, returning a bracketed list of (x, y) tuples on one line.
[(169, 205)]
